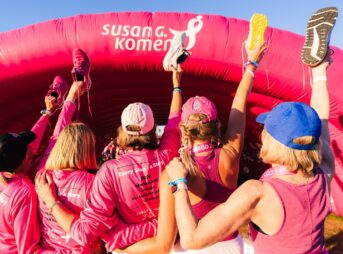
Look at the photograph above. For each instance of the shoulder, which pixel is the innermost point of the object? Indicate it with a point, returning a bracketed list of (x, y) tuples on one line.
[(23, 192), (228, 154), (24, 186), (252, 189)]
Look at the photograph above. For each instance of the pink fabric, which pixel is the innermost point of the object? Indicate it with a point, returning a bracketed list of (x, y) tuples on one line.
[(63, 120), (134, 43), (38, 129), (305, 208), (73, 189), (138, 114), (196, 105), (19, 223), (216, 192), (127, 187)]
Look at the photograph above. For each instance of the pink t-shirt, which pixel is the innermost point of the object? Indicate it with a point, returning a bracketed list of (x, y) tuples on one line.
[(127, 187), (19, 222), (305, 208), (73, 189)]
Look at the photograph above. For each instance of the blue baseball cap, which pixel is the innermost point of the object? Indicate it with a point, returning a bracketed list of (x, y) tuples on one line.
[(290, 120)]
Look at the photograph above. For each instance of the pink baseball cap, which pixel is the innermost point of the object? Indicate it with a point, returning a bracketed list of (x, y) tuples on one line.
[(199, 105), (138, 114)]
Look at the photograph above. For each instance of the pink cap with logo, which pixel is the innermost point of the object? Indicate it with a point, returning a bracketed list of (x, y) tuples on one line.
[(138, 114), (199, 105)]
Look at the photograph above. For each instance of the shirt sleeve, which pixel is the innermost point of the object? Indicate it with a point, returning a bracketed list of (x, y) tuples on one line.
[(38, 129), (171, 138), (123, 235), (100, 213), (63, 120), (26, 225)]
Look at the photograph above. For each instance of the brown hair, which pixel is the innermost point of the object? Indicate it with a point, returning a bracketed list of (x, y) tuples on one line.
[(199, 131), (137, 142), (273, 152), (75, 149)]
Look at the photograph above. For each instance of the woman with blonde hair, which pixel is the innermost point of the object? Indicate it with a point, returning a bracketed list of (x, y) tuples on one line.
[(71, 164), (125, 190), (212, 169), (287, 207)]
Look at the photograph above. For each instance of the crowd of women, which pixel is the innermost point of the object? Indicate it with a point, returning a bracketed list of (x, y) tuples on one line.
[(178, 193)]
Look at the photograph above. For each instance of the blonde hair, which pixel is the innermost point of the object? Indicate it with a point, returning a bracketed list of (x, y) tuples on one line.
[(198, 131), (273, 152), (137, 142), (74, 149)]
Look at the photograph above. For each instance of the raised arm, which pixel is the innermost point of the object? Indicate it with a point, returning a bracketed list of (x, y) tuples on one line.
[(176, 103), (163, 242), (65, 117), (38, 129), (40, 126), (320, 101), (234, 136)]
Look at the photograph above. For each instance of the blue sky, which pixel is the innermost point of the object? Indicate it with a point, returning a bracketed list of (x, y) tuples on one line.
[(289, 15)]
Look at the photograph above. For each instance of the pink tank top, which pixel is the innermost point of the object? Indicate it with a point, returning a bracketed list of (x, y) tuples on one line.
[(216, 192), (305, 208)]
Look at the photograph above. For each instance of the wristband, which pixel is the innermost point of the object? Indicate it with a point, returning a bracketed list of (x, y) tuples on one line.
[(177, 89), (320, 78), (252, 74), (251, 62), (46, 112), (179, 186), (177, 181), (51, 208)]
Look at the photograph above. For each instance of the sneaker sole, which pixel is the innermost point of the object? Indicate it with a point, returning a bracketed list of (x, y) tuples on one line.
[(258, 26), (318, 33)]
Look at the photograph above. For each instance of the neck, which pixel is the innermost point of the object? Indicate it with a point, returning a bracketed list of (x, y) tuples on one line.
[(202, 147)]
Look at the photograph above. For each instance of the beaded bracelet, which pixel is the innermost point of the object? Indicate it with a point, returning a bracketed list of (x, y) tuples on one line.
[(177, 89), (251, 62), (46, 112)]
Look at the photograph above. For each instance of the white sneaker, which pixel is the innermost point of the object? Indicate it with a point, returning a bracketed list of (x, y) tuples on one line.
[(177, 53)]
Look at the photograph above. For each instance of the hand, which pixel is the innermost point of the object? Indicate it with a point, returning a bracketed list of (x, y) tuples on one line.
[(177, 73), (257, 53), (46, 188), (176, 169), (50, 103), (77, 89)]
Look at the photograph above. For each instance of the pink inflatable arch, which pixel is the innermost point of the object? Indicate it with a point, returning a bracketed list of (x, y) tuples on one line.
[(127, 50)]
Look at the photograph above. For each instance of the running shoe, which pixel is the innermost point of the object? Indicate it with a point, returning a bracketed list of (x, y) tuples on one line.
[(257, 28), (58, 89), (177, 53), (81, 68), (318, 33)]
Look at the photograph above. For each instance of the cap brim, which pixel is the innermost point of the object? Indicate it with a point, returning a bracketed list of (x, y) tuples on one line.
[(27, 136), (261, 118)]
